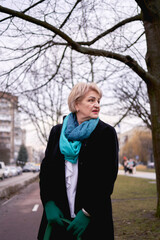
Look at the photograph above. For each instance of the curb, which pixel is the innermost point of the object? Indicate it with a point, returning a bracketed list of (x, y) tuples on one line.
[(11, 190)]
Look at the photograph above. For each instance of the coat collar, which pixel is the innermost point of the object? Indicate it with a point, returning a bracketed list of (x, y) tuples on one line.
[(98, 130)]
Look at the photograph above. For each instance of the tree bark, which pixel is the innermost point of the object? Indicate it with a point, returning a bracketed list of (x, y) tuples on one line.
[(152, 30), (154, 96)]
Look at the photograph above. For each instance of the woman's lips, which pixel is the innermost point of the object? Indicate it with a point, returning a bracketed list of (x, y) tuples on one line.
[(95, 111)]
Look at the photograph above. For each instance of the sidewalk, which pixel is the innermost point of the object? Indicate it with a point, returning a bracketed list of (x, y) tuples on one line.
[(12, 185), (147, 175)]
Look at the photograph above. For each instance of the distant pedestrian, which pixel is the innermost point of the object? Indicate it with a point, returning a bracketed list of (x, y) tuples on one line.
[(79, 170), (131, 166), (125, 164)]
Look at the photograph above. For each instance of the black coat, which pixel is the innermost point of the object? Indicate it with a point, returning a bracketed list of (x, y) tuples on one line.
[(97, 172)]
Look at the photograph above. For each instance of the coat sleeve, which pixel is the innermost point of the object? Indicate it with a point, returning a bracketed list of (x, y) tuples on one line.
[(46, 170), (101, 175)]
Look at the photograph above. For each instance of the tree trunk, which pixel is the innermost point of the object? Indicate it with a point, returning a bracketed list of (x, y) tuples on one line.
[(152, 24), (154, 96)]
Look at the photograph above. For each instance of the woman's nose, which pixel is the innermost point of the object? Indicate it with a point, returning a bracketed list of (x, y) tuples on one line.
[(97, 104)]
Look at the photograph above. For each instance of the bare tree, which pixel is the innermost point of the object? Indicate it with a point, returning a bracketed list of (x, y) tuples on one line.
[(139, 144), (48, 25), (133, 100), (44, 107)]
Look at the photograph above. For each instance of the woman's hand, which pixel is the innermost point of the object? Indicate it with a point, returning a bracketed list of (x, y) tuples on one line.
[(53, 213), (79, 224)]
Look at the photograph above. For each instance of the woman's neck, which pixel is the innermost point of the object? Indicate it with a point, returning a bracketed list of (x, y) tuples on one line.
[(81, 119)]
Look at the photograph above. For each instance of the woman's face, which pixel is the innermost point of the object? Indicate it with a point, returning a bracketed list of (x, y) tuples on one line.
[(88, 107)]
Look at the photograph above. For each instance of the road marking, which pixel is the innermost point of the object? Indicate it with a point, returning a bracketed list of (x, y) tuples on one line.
[(35, 208), (8, 201)]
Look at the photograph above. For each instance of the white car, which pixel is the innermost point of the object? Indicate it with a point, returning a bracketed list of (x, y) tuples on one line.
[(7, 172), (19, 170), (151, 165), (2, 168), (14, 171)]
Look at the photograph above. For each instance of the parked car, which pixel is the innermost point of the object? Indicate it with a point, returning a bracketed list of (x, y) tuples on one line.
[(2, 168), (14, 171), (151, 165), (7, 172), (27, 168), (19, 170), (36, 168)]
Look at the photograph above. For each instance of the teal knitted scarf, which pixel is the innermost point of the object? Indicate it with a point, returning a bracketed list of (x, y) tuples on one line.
[(72, 135)]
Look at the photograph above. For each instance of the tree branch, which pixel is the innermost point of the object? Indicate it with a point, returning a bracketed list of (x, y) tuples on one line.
[(135, 41), (53, 75), (32, 6), (78, 1), (120, 24), (127, 60), (38, 22), (27, 9)]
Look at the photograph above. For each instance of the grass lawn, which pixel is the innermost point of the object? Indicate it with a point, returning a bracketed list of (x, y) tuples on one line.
[(134, 205)]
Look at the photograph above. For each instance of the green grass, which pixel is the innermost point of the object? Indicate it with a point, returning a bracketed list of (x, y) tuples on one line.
[(146, 170), (134, 206)]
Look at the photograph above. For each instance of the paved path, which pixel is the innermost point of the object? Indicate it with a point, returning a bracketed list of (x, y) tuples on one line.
[(11, 185), (20, 215), (147, 175), (15, 180)]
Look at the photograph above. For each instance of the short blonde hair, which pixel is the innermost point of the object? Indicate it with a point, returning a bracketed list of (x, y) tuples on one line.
[(78, 92)]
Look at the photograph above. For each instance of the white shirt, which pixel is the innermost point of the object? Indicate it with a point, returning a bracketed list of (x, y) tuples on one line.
[(71, 176)]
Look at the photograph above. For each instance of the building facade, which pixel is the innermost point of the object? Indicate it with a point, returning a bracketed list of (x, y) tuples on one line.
[(11, 134)]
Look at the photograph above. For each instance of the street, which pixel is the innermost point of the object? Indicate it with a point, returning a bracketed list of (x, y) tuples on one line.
[(21, 215)]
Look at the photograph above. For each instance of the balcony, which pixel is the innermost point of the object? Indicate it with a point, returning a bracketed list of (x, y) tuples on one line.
[(5, 129), (5, 117)]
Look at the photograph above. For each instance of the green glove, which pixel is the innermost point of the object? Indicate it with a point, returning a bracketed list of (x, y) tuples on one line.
[(53, 213), (79, 224)]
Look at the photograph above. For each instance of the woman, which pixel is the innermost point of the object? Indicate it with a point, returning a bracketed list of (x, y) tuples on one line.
[(79, 170)]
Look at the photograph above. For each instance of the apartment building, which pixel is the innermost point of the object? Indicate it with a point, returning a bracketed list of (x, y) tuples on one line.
[(11, 134)]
